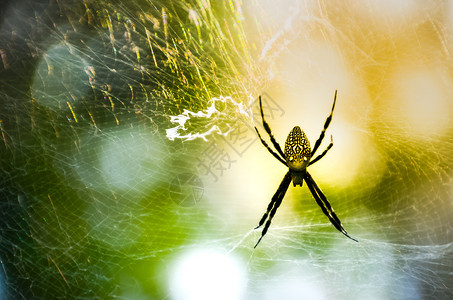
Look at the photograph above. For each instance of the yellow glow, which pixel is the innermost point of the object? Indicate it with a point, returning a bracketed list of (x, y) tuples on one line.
[(206, 274), (421, 101), (389, 13), (348, 158)]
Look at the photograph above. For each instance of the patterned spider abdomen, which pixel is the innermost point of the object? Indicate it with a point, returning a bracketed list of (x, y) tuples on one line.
[(297, 150)]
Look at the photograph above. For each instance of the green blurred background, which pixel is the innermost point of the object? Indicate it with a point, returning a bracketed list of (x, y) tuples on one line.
[(130, 167)]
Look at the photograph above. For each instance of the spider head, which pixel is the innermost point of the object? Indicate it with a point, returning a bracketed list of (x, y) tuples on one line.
[(297, 150)]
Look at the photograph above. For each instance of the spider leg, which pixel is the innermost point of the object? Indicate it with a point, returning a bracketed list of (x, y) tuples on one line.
[(322, 154), (326, 125), (269, 148), (273, 205), (276, 196), (324, 204), (268, 130)]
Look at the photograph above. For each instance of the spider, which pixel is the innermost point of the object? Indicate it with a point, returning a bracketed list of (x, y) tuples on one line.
[(297, 157)]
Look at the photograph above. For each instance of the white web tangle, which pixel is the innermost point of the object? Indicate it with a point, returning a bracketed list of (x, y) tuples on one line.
[(211, 112)]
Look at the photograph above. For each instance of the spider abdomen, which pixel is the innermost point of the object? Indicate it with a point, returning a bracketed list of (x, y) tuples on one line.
[(297, 150)]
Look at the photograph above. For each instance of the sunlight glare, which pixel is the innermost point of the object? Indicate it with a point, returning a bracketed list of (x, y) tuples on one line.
[(207, 274)]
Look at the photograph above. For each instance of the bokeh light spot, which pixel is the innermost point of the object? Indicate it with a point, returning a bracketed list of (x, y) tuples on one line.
[(60, 78), (421, 100), (207, 274)]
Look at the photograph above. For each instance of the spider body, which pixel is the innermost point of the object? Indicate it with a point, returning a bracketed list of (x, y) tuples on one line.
[(297, 157), (297, 154)]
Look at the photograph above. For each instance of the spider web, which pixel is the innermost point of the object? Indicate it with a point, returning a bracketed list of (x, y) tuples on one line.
[(130, 167)]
